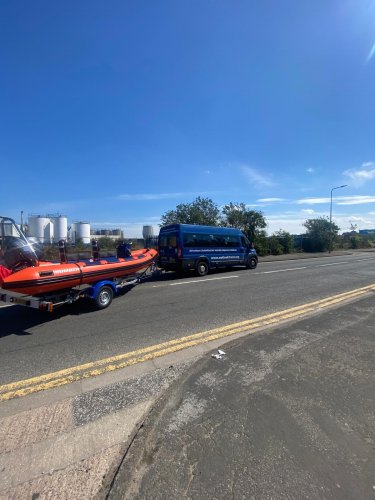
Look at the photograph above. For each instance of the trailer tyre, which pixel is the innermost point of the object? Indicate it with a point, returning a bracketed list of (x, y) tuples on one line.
[(104, 297)]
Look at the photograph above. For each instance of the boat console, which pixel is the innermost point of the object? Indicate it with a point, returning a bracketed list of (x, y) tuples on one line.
[(15, 249)]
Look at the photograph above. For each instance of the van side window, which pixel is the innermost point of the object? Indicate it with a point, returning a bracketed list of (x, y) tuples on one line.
[(232, 241), (190, 240), (198, 240)]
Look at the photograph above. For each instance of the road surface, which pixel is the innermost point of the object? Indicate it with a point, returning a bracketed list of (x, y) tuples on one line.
[(33, 343)]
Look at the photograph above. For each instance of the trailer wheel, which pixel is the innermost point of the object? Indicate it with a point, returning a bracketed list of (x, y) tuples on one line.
[(104, 297)]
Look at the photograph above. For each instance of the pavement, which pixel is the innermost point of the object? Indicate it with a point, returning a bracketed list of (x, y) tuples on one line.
[(287, 412)]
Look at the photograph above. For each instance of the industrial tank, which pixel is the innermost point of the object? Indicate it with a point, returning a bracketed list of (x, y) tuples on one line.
[(60, 228), (148, 232), (80, 231), (41, 228)]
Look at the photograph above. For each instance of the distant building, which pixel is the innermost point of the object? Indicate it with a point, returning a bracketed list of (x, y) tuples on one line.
[(367, 231), (113, 234)]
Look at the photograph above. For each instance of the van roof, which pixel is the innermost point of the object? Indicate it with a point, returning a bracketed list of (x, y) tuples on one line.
[(199, 228)]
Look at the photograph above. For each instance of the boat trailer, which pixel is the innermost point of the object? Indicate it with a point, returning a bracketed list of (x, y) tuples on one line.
[(101, 292)]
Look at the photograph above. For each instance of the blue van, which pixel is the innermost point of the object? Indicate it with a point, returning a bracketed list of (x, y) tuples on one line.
[(184, 247)]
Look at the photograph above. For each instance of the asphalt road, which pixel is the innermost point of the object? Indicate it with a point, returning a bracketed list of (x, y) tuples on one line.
[(33, 343)]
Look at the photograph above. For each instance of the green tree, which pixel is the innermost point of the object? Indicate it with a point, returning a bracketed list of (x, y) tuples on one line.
[(261, 242), (251, 222), (285, 240), (318, 234), (355, 241), (79, 245), (201, 211), (274, 245), (107, 243)]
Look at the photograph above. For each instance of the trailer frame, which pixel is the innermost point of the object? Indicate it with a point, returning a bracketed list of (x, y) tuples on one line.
[(93, 292)]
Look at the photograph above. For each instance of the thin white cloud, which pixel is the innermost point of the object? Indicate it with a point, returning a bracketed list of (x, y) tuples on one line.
[(255, 177), (293, 223), (371, 54), (154, 196), (270, 200), (312, 201), (339, 200), (308, 211), (355, 200), (358, 177), (146, 220), (354, 218), (310, 170)]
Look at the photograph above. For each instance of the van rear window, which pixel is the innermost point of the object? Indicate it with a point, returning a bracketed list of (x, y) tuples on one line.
[(168, 241)]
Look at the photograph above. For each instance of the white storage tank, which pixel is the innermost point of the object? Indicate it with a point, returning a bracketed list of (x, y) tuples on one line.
[(148, 232), (41, 228), (60, 228), (80, 231)]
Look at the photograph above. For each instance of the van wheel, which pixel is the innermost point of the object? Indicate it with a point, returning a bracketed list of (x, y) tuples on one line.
[(251, 263), (202, 268), (104, 297)]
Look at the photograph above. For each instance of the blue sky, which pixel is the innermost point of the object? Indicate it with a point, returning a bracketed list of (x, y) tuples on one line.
[(115, 112)]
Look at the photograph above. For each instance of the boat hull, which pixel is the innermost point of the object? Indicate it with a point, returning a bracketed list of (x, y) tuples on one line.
[(49, 277)]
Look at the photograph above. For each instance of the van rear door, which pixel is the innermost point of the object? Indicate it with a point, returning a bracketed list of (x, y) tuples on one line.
[(168, 249)]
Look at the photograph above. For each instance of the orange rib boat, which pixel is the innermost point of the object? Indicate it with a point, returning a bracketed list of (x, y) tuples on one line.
[(30, 276)]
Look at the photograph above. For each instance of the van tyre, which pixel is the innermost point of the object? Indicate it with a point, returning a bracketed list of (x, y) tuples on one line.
[(251, 263), (104, 297), (202, 268)]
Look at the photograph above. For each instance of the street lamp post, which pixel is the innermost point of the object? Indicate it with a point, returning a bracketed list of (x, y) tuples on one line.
[(330, 217)]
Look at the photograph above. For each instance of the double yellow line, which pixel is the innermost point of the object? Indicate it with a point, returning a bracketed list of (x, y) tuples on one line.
[(69, 375)]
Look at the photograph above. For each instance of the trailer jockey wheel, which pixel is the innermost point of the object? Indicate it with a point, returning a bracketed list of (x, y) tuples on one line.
[(104, 297)]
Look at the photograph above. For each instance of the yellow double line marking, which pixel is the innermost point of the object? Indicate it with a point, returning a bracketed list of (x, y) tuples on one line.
[(69, 375)]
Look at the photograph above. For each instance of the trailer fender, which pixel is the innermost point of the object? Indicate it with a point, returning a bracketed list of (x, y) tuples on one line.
[(94, 290)]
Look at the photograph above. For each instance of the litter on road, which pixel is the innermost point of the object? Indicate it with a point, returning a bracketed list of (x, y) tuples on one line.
[(220, 354)]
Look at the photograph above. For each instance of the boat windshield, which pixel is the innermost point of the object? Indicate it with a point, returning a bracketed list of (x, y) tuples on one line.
[(15, 249)]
